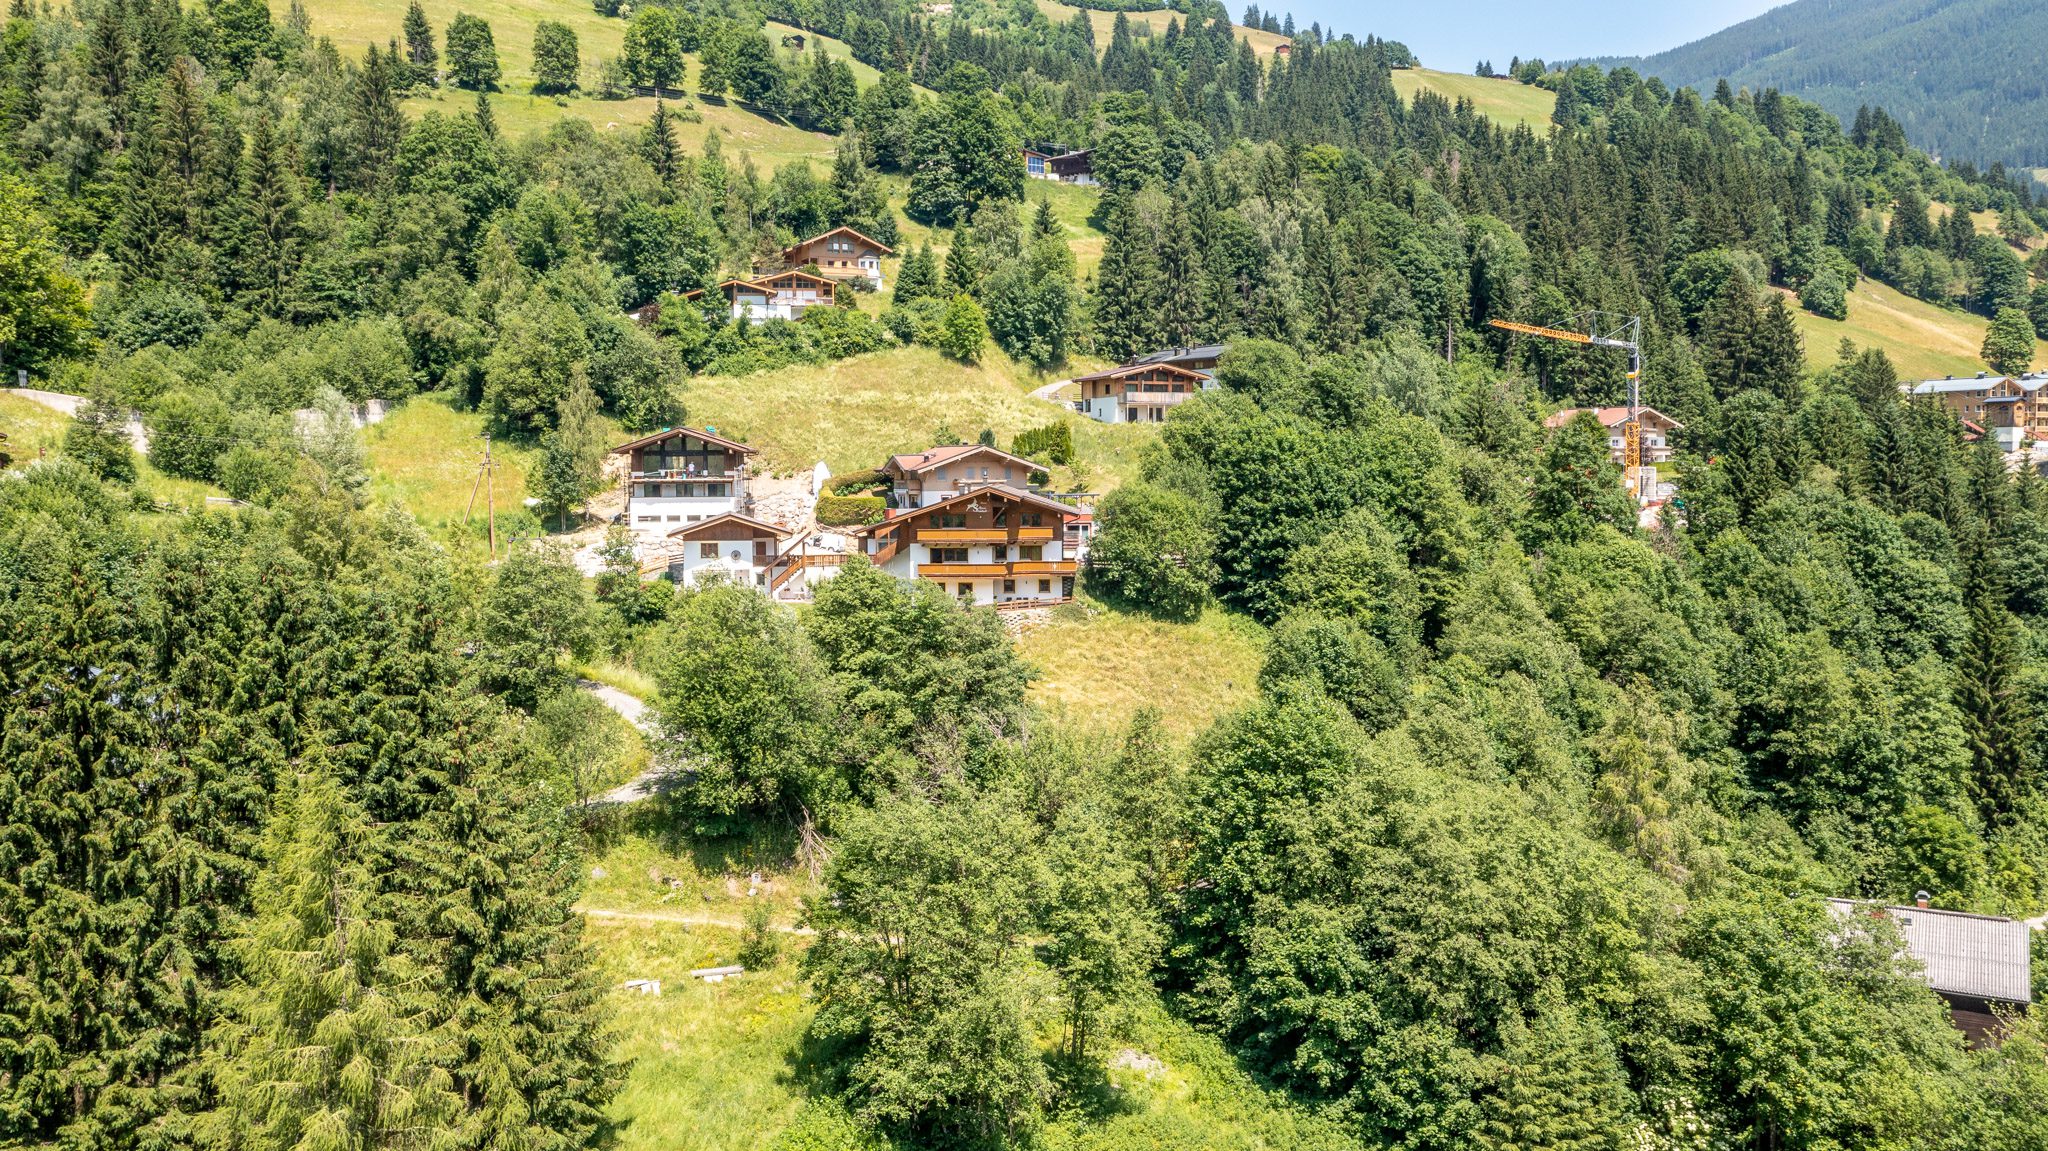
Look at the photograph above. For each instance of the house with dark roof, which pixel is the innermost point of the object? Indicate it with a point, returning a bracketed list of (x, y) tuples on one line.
[(1050, 162), (1980, 964), (731, 547), (681, 476), (1199, 358), (776, 296), (920, 478), (990, 545), (840, 254)]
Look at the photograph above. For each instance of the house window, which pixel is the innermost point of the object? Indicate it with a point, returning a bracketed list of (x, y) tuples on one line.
[(966, 591), (1031, 519), (718, 491), (1044, 586), (1009, 587), (952, 519), (949, 555), (1032, 552), (650, 519), (707, 551), (675, 519)]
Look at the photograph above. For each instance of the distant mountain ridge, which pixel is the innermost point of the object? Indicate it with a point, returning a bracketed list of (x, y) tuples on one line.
[(1965, 77)]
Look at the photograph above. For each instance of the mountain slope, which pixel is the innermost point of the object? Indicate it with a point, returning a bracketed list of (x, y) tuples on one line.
[(1963, 76)]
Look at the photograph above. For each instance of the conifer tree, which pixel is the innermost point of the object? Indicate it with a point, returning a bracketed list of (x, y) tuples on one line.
[(421, 56), (1997, 716), (918, 278), (963, 264), (658, 145), (94, 1016), (375, 122), (327, 1042), (1127, 288), (264, 241), (1560, 1088)]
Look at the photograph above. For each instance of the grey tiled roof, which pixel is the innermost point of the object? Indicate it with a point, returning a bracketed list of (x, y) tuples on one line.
[(1973, 955)]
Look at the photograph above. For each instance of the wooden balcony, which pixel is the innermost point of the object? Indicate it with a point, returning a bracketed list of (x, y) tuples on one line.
[(963, 536), (1001, 570), (1034, 535)]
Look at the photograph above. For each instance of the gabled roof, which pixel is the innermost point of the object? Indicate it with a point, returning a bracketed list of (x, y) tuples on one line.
[(1001, 491), (732, 519), (669, 433), (1176, 356), (735, 282), (917, 463), (1117, 373), (1977, 956), (821, 281), (1608, 417), (868, 240)]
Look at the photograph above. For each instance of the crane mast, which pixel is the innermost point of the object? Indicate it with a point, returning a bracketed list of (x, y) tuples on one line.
[(1606, 330)]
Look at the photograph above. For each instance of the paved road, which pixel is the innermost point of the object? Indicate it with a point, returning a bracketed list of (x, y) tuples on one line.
[(69, 404), (1050, 392)]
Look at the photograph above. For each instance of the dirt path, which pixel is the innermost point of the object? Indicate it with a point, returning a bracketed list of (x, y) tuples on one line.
[(633, 710), (686, 919)]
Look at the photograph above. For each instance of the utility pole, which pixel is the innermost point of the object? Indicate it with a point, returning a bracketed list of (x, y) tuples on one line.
[(484, 481)]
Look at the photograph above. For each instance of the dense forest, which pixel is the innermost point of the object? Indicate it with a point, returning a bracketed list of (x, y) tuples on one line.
[(1957, 73), (1523, 843)]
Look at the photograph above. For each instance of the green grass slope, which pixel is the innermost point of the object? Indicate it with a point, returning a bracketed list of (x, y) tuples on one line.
[(1925, 342), (1098, 667), (854, 413), (1503, 101)]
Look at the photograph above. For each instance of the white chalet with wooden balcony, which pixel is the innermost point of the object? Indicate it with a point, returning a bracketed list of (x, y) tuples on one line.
[(991, 545), (681, 476)]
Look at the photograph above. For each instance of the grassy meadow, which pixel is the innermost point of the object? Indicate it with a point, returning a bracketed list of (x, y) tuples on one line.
[(1503, 101), (854, 413), (1926, 342), (424, 458), (713, 1067), (1152, 22), (1097, 667)]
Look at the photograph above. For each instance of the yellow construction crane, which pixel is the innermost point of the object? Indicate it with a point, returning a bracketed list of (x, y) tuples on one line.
[(1606, 330)]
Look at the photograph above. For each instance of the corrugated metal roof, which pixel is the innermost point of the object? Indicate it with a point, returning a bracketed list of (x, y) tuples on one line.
[(1980, 956), (1967, 384)]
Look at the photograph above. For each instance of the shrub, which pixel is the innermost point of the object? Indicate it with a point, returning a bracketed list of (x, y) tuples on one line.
[(1053, 443), (963, 333), (850, 511), (853, 483), (1826, 296)]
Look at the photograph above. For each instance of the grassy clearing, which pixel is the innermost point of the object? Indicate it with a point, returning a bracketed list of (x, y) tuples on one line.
[(31, 428), (1505, 102), (424, 457), (1152, 22), (1100, 666), (354, 25), (710, 1066), (1925, 342), (630, 680), (854, 413)]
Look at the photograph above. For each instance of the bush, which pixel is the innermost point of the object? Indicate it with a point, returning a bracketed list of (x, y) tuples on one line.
[(1826, 296), (963, 333), (1053, 443), (188, 431), (853, 483), (850, 511)]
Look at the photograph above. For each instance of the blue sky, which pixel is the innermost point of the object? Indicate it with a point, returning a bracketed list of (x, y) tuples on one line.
[(1453, 35)]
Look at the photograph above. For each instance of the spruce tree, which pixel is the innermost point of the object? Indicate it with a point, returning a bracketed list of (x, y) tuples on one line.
[(327, 1041), (963, 264), (265, 241), (658, 145), (918, 278), (375, 121), (1127, 288), (421, 56), (1778, 357), (484, 884)]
